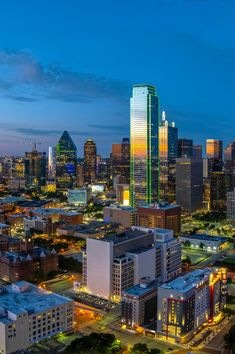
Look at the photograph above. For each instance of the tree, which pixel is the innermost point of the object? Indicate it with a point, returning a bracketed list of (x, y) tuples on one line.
[(202, 245), (187, 243), (139, 348), (229, 339)]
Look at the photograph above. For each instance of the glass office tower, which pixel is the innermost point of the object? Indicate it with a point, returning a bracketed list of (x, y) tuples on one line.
[(66, 162), (144, 174), (168, 152)]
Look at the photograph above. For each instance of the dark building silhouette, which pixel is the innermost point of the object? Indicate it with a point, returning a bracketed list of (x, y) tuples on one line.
[(35, 168), (189, 183), (185, 148)]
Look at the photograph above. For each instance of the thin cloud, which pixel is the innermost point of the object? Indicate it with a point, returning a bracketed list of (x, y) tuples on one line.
[(21, 72)]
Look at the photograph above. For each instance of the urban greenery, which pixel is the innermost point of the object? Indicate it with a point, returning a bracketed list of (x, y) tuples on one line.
[(95, 343)]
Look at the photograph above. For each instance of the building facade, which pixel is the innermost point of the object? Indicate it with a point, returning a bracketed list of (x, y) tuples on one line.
[(189, 184), (189, 301), (163, 215), (168, 152), (90, 161), (29, 314), (66, 162), (144, 169)]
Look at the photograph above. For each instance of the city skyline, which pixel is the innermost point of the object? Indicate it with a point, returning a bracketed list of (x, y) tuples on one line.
[(65, 75)]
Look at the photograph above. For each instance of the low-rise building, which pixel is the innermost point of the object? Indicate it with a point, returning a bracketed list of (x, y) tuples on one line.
[(163, 215), (126, 216), (189, 301), (29, 314), (205, 242)]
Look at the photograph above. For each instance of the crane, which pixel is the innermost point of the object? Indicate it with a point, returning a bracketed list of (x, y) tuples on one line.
[(34, 143)]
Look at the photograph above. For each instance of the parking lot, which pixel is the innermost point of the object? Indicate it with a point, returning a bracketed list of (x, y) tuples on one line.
[(94, 301)]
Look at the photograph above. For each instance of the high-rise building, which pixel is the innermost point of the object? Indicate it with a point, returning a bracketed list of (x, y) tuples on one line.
[(185, 148), (229, 152), (117, 262), (66, 162), (189, 183), (168, 152), (89, 161), (120, 159), (197, 151), (189, 301), (35, 167), (144, 169), (214, 149), (51, 162)]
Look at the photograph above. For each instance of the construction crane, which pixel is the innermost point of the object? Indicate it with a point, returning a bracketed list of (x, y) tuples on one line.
[(34, 143)]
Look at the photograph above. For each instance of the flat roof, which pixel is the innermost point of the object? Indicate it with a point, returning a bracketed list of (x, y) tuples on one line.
[(31, 299), (188, 281), (164, 206), (124, 236), (138, 290), (206, 237)]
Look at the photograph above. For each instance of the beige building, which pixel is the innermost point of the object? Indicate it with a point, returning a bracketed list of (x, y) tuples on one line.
[(29, 314), (126, 216)]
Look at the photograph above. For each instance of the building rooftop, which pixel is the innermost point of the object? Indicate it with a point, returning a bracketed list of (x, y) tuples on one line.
[(125, 236), (160, 206), (188, 281), (33, 203), (23, 296), (206, 237), (120, 207), (141, 289)]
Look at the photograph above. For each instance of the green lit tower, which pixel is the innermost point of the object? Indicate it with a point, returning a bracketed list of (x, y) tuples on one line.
[(144, 170), (66, 162)]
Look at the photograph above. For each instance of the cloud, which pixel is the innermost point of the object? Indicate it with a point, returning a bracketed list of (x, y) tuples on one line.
[(21, 72)]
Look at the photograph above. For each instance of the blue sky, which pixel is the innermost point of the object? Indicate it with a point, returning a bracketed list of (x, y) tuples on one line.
[(70, 64)]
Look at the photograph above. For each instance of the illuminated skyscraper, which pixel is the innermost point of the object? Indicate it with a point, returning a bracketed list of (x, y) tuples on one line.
[(214, 149), (51, 162), (168, 152), (66, 162), (89, 161), (144, 172)]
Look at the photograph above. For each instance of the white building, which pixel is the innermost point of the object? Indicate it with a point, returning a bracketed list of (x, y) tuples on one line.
[(115, 263), (29, 314), (168, 255), (231, 206), (187, 302)]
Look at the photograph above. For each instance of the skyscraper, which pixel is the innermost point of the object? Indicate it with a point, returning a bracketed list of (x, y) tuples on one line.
[(66, 162), (51, 162), (168, 152), (144, 174), (189, 183), (35, 167), (120, 159), (185, 148), (89, 161), (214, 149)]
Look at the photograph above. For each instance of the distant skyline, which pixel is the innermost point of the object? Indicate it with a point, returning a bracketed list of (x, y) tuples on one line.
[(70, 65)]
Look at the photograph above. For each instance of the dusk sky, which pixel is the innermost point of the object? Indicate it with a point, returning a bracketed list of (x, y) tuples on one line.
[(70, 65)]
